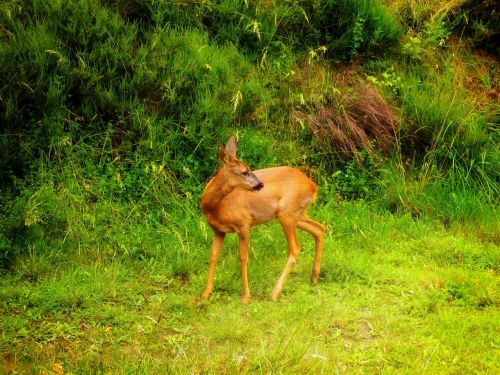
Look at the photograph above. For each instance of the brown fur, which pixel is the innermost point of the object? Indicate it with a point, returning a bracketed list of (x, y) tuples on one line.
[(230, 204)]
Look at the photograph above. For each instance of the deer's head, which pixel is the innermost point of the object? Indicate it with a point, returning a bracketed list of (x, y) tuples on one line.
[(237, 173)]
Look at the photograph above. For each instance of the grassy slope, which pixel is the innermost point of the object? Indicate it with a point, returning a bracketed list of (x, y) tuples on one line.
[(396, 295), (109, 266)]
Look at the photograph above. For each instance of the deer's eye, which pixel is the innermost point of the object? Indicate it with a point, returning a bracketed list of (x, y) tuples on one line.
[(246, 173)]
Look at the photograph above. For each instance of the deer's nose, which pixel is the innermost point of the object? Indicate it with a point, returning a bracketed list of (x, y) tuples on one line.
[(258, 187)]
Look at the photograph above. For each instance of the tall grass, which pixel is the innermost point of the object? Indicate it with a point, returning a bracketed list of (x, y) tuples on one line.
[(124, 101), (351, 122), (153, 86), (448, 129), (111, 113), (473, 19), (446, 162)]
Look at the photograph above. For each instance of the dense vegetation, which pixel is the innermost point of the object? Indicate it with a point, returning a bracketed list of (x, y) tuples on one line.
[(111, 112)]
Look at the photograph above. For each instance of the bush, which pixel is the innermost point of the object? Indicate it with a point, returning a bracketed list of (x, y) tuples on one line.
[(118, 87), (35, 221), (346, 27), (351, 27)]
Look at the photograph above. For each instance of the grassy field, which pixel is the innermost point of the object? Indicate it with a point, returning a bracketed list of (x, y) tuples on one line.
[(396, 295), (111, 112)]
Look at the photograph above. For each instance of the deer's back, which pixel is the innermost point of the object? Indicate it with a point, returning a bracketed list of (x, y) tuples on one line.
[(287, 191)]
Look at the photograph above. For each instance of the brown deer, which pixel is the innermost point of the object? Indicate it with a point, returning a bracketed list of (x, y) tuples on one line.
[(236, 199)]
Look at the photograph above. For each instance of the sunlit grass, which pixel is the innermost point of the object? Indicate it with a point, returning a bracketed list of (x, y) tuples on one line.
[(395, 295), (113, 115)]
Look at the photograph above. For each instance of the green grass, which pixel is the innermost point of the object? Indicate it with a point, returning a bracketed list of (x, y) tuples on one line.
[(113, 112), (395, 296)]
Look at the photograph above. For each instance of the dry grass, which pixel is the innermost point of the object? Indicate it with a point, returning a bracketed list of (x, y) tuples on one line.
[(352, 120), (475, 72), (425, 9)]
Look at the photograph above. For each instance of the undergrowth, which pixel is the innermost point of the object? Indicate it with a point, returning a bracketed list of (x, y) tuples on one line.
[(111, 113)]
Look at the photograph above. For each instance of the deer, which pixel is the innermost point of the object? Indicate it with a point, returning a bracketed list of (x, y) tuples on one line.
[(237, 198)]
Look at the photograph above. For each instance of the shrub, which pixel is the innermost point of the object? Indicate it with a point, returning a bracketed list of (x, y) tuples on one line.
[(351, 27), (78, 77), (346, 27)]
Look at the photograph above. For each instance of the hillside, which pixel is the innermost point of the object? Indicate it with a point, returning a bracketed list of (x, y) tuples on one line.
[(111, 113)]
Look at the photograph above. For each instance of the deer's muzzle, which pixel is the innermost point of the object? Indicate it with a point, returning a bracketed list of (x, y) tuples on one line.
[(258, 187)]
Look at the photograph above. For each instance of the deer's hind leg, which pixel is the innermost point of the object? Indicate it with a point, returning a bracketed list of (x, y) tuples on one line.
[(317, 230), (290, 228)]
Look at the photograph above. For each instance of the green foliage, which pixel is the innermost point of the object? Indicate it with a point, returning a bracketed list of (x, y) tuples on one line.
[(139, 93), (35, 221), (132, 291), (346, 27), (351, 27), (111, 113), (427, 192), (356, 179), (447, 130), (149, 75)]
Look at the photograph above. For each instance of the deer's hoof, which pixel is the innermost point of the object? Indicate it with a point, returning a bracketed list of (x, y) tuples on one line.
[(205, 296)]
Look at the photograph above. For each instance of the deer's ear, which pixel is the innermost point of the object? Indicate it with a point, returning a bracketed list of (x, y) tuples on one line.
[(223, 155), (231, 146)]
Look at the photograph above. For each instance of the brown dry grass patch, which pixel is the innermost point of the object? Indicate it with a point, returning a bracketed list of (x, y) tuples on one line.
[(355, 117)]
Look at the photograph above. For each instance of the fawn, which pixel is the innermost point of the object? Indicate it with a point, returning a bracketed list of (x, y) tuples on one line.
[(236, 199)]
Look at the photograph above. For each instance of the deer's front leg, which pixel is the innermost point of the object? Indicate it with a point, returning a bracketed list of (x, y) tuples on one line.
[(244, 239), (214, 252)]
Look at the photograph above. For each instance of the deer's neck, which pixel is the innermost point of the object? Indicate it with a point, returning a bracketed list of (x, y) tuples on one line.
[(216, 190)]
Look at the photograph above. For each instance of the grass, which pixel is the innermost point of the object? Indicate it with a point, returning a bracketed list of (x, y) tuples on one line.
[(112, 130), (395, 295)]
